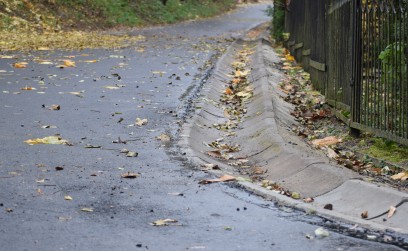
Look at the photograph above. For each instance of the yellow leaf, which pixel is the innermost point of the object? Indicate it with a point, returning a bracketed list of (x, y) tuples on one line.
[(20, 65), (69, 63), (289, 57), (164, 222), (51, 140), (331, 140), (91, 61)]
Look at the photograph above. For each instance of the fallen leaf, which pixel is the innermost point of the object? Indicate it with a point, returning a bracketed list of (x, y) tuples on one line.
[(20, 65), (39, 191), (289, 58), (163, 137), (129, 175), (28, 88), (328, 206), (228, 91), (165, 222), (210, 167), (391, 211), (92, 146), (308, 200), (9, 210), (91, 61), (110, 87), (295, 195), (69, 63), (215, 154), (364, 214), (228, 228), (46, 62), (40, 181), (50, 140), (331, 153), (140, 122), (224, 178), (400, 176), (87, 209), (132, 154), (55, 107), (331, 140), (321, 232), (67, 197)]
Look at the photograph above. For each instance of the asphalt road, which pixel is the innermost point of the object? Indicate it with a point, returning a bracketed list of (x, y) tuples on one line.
[(99, 103)]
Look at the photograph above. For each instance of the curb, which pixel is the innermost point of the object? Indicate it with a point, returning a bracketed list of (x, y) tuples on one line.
[(265, 138)]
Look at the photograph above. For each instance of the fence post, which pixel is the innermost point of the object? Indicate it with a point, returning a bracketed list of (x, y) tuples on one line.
[(356, 79)]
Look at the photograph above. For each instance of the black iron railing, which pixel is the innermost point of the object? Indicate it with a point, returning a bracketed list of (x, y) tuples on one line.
[(357, 54)]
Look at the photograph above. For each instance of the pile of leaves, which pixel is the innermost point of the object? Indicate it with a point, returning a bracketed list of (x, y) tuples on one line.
[(319, 126), (236, 95)]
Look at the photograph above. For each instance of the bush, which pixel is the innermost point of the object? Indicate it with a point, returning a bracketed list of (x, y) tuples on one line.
[(278, 19)]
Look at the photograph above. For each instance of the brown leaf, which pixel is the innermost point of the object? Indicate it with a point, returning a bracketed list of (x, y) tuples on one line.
[(228, 91), (364, 214), (20, 65), (130, 175), (331, 140), (400, 176), (215, 154), (28, 88), (55, 107), (328, 206), (224, 178), (391, 211)]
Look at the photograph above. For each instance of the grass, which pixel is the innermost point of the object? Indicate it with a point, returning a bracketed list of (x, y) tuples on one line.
[(387, 150)]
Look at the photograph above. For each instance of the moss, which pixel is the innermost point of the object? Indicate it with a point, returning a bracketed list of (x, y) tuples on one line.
[(388, 151)]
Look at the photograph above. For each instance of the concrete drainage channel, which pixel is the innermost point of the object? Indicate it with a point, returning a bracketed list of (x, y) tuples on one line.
[(262, 133)]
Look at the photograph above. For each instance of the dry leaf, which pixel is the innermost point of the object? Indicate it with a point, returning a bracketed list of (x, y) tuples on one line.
[(289, 58), (55, 107), (224, 178), (130, 175), (331, 140), (331, 153), (308, 200), (40, 181), (165, 222), (28, 88), (228, 91), (400, 176), (131, 154), (91, 61), (51, 140), (20, 65), (163, 137), (67, 197), (391, 211), (87, 209), (140, 121), (110, 87), (215, 154), (364, 214), (210, 167), (69, 63)]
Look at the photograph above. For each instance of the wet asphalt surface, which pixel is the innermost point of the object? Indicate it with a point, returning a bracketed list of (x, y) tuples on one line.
[(154, 81)]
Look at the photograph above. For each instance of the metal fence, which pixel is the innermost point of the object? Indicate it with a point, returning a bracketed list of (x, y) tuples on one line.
[(357, 54)]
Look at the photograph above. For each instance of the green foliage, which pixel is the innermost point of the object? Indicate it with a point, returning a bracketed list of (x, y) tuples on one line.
[(278, 19)]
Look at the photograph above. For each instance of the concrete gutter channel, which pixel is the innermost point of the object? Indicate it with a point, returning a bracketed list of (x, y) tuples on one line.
[(266, 139)]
